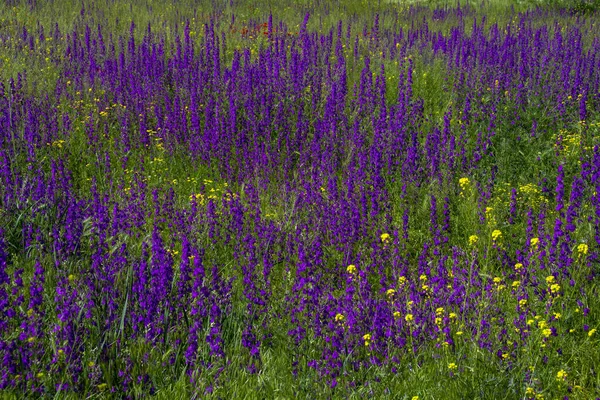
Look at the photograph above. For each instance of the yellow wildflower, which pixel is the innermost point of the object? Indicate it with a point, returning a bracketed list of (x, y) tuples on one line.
[(385, 237), (339, 318), (452, 366), (409, 318), (496, 234), (522, 302), (591, 332), (561, 375), (534, 242), (367, 339), (582, 249), (351, 269), (518, 266), (473, 240), (547, 332)]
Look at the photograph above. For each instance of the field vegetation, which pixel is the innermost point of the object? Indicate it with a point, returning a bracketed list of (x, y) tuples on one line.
[(308, 199)]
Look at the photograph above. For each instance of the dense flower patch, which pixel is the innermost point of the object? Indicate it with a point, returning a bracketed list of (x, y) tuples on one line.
[(343, 205)]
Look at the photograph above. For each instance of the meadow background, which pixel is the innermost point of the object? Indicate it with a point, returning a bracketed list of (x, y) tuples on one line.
[(308, 199)]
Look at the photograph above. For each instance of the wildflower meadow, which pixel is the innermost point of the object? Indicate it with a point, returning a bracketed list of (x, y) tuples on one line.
[(303, 199)]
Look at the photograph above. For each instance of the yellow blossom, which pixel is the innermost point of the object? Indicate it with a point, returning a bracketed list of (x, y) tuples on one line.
[(397, 314), (534, 242), (582, 249), (547, 332), (452, 366), (351, 269), (401, 280), (518, 266), (522, 302), (409, 318), (385, 237), (550, 279), (339, 318), (439, 311), (367, 339), (591, 332), (473, 240), (390, 292), (496, 234), (561, 375)]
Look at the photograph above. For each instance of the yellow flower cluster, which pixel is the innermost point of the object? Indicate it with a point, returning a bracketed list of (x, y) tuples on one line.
[(496, 235), (351, 269), (473, 240), (464, 184), (582, 249), (518, 267)]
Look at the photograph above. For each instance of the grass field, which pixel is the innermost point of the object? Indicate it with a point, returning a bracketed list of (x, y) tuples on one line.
[(310, 199)]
